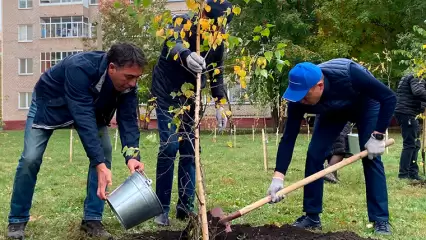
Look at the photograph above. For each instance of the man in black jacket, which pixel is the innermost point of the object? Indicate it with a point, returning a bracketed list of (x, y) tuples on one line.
[(176, 68), (411, 93), (85, 90)]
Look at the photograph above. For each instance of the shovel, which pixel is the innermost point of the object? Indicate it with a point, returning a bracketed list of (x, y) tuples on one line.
[(225, 220)]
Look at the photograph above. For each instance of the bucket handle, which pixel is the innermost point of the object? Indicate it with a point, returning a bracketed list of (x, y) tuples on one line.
[(148, 181)]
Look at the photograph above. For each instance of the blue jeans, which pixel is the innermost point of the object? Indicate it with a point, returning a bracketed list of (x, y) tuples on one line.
[(326, 130), (35, 143), (169, 146)]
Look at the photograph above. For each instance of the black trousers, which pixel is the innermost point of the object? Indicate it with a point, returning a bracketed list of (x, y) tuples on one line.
[(410, 130)]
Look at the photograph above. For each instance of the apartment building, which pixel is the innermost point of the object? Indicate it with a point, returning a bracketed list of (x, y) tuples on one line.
[(36, 35)]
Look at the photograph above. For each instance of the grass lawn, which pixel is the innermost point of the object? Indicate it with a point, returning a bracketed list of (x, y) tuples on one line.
[(234, 179)]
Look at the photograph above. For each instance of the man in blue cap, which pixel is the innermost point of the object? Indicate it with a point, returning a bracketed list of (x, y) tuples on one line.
[(168, 77), (339, 91)]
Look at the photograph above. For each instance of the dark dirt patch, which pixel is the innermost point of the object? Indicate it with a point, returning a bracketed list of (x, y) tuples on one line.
[(247, 232), (418, 183)]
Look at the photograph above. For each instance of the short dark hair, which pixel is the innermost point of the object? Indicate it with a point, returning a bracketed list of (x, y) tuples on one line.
[(126, 54)]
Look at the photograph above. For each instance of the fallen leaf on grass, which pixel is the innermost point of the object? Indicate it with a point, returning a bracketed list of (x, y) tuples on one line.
[(35, 218)]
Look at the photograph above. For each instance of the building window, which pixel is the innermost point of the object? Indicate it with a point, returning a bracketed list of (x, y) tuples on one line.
[(25, 33), (64, 27), (59, 1), (23, 4), (50, 59), (24, 100), (94, 2), (25, 66)]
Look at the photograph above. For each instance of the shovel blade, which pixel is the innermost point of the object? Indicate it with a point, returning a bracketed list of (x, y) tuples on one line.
[(217, 214)]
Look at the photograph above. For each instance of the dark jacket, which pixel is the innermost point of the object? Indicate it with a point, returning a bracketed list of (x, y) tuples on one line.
[(79, 91), (410, 94), (169, 75), (347, 86)]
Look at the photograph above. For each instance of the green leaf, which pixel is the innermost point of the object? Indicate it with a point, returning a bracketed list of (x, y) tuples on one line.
[(270, 25), (173, 94), (169, 125), (257, 29), (268, 55), (278, 54), (280, 66), (281, 46), (246, 1), (260, 1), (286, 62), (171, 44), (152, 137), (146, 3), (130, 11), (264, 73), (186, 86), (265, 32), (137, 2), (256, 38), (117, 4)]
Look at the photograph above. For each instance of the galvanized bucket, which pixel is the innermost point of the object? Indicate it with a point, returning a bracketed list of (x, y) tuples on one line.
[(353, 142), (134, 202)]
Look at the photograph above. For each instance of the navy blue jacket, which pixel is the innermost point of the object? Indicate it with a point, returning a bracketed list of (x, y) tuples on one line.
[(347, 86), (169, 74), (79, 91)]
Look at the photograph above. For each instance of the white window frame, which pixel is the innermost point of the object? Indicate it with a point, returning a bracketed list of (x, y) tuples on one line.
[(26, 67), (91, 2), (26, 1), (62, 2), (26, 28), (85, 31), (55, 61), (28, 98)]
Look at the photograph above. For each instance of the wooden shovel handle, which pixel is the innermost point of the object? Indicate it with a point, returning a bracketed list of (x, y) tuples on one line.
[(300, 184)]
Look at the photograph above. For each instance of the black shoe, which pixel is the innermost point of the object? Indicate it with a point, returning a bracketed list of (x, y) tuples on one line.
[(416, 177), (307, 223), (16, 230), (382, 227), (96, 229)]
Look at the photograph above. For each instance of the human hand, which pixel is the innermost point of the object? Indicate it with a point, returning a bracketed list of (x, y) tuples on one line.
[(276, 185), (195, 62), (135, 165), (104, 180), (375, 147)]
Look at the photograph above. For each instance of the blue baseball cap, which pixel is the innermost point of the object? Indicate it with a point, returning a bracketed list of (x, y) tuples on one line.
[(302, 78)]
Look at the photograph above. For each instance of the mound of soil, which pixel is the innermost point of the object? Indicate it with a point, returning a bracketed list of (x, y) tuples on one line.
[(247, 232)]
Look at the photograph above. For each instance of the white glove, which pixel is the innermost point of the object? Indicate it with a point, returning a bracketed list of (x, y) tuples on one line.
[(276, 185), (195, 62), (375, 147)]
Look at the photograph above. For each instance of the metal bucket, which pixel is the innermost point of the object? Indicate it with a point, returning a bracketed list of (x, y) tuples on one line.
[(353, 143), (134, 202)]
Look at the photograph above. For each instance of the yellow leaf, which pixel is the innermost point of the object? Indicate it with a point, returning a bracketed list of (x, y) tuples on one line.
[(179, 139), (188, 107), (192, 4), (242, 73), (243, 83), (187, 26), (214, 27), (178, 21), (424, 46), (223, 101), (237, 69), (170, 32), (158, 18), (160, 32), (182, 34), (175, 57), (205, 24), (142, 117), (216, 71), (225, 36), (228, 113), (222, 1), (207, 8), (229, 144), (147, 119), (246, 96), (186, 44), (236, 10)]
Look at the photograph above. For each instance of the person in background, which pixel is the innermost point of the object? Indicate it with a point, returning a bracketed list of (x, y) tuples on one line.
[(339, 151), (411, 96), (221, 118)]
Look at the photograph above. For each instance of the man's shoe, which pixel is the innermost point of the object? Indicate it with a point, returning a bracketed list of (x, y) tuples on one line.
[(16, 230), (307, 223), (382, 227), (162, 219), (416, 177), (94, 228)]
